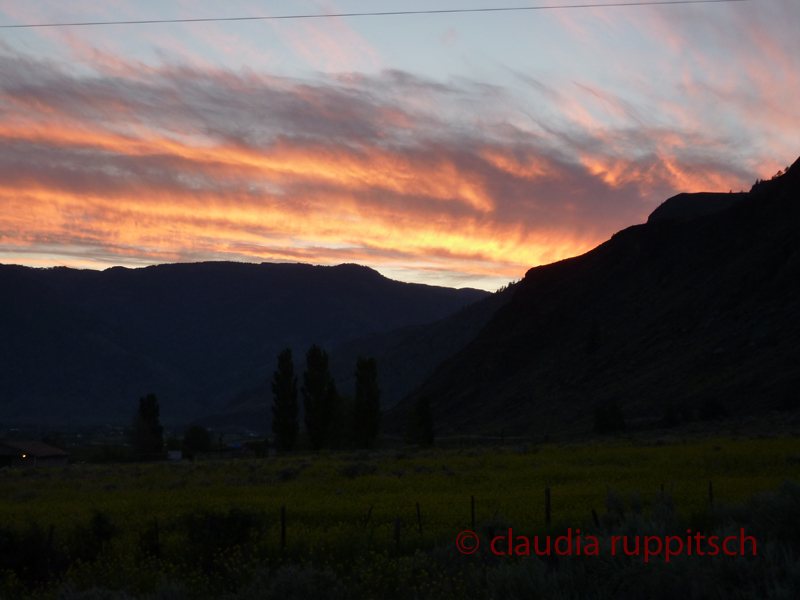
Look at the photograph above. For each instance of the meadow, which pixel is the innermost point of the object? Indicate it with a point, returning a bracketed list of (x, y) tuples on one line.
[(212, 527)]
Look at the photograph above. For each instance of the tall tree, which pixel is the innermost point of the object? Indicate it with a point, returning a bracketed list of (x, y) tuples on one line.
[(285, 424), (320, 399), (419, 429), (367, 408), (147, 434), (196, 439)]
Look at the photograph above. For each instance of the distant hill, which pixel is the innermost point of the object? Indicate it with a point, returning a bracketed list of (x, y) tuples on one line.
[(81, 346), (406, 357), (698, 310)]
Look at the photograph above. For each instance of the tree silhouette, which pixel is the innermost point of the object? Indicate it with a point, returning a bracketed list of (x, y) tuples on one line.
[(196, 439), (420, 423), (608, 417), (147, 434), (320, 399), (285, 424), (367, 409)]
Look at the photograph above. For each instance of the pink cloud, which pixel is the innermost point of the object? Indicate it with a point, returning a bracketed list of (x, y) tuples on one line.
[(180, 162)]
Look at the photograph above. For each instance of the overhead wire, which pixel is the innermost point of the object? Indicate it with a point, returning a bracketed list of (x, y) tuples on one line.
[(368, 14)]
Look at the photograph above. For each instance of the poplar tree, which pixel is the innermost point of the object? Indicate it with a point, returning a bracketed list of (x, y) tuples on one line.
[(285, 423), (367, 404), (147, 434), (419, 429), (320, 400)]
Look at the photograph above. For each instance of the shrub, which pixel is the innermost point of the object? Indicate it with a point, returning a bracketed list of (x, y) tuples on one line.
[(713, 410), (357, 469), (21, 553), (87, 541), (672, 416), (196, 439), (288, 474), (608, 417), (293, 582), (210, 534)]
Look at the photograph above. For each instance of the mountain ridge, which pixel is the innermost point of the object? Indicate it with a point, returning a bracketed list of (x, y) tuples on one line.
[(689, 311), (405, 358), (197, 334)]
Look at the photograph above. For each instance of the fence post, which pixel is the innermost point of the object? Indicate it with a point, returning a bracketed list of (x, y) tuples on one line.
[(49, 551), (369, 514), (158, 543), (473, 512), (397, 526), (595, 519), (547, 505), (283, 528), (419, 519)]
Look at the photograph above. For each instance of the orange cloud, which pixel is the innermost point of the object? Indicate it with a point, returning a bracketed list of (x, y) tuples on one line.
[(182, 164)]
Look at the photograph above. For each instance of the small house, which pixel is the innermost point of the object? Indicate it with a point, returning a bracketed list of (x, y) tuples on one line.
[(31, 454)]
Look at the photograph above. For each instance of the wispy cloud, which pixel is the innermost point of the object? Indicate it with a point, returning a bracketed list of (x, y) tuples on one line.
[(131, 164)]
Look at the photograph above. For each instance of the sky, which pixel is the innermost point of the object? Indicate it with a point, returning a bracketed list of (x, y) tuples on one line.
[(448, 149)]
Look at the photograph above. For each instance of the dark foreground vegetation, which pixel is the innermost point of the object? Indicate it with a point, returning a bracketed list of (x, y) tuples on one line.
[(217, 557), (217, 529)]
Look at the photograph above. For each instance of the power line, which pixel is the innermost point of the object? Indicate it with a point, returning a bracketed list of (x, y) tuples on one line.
[(369, 14)]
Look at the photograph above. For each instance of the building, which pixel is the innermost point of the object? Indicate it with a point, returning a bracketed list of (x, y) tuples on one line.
[(31, 454)]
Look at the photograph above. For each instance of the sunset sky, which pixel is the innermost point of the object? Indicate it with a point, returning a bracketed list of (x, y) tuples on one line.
[(451, 149)]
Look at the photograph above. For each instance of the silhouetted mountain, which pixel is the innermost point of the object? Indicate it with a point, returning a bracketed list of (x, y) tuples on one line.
[(406, 357), (699, 310), (56, 358), (685, 206), (80, 346)]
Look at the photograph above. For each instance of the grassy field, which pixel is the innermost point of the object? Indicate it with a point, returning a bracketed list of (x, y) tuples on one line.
[(129, 525)]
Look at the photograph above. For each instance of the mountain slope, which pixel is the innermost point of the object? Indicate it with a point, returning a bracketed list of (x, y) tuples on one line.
[(688, 310), (685, 205), (55, 356), (85, 344), (406, 357)]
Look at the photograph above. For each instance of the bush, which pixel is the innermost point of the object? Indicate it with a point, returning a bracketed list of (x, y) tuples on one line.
[(196, 439), (419, 428), (21, 554), (713, 410), (288, 474), (293, 582), (210, 534), (672, 416), (87, 541), (608, 418), (357, 469)]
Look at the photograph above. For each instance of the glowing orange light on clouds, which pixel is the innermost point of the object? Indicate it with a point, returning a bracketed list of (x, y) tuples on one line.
[(142, 221), (124, 188), (311, 204), (161, 229)]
